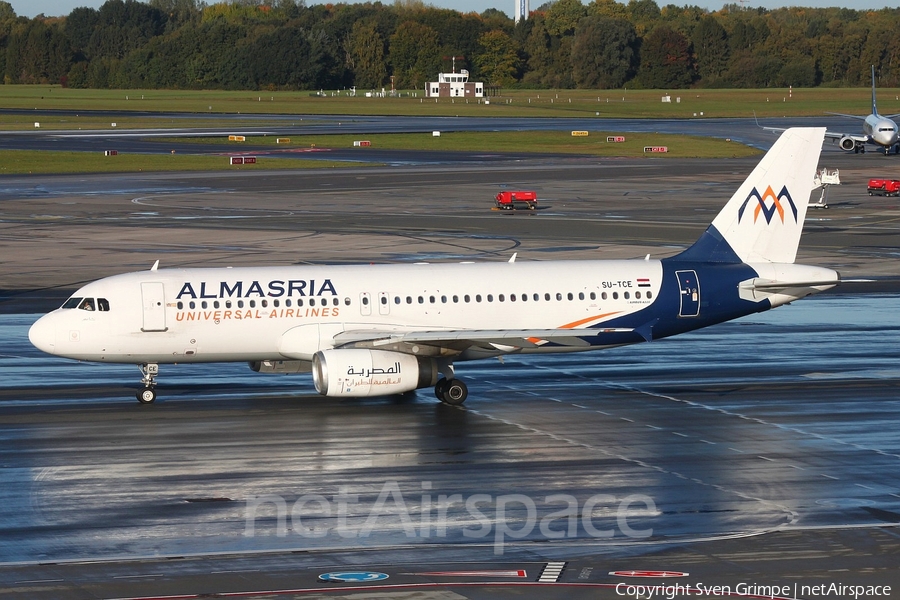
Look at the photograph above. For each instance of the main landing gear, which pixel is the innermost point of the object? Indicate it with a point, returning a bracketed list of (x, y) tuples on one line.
[(451, 391), (147, 394)]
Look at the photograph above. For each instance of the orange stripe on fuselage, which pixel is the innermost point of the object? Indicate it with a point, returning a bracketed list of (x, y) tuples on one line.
[(588, 320)]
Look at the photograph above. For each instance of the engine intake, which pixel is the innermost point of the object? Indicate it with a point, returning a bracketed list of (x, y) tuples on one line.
[(847, 143), (358, 372)]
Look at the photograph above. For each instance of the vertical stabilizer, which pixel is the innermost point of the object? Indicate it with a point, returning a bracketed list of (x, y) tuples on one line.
[(874, 108), (763, 220)]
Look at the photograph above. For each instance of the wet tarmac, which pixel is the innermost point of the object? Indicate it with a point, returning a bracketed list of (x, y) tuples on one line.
[(779, 424)]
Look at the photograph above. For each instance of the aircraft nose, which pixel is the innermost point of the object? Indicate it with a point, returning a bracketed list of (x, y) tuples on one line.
[(43, 335)]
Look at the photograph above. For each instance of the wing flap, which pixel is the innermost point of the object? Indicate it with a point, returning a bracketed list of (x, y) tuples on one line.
[(458, 339)]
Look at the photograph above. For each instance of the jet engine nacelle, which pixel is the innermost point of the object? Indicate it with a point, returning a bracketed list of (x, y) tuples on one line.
[(357, 372), (847, 143)]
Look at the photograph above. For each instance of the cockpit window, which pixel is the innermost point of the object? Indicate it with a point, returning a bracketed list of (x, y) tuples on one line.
[(87, 304), (102, 304), (72, 303)]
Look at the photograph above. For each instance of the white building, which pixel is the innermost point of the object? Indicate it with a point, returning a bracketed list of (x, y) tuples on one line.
[(454, 85), (521, 10)]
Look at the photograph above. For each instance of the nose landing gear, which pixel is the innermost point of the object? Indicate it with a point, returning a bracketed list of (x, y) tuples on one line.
[(147, 394)]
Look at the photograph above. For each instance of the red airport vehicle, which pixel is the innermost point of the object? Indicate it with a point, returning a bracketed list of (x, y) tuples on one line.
[(517, 199), (884, 187)]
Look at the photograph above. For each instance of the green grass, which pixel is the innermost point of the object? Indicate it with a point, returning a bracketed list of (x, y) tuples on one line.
[(512, 103), (36, 161), (555, 142)]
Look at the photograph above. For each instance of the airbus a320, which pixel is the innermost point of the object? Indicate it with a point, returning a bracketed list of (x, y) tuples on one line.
[(373, 330)]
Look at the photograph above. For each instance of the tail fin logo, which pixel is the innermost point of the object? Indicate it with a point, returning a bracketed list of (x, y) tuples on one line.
[(768, 210)]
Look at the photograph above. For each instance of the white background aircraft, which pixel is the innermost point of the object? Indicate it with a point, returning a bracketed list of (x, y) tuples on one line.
[(374, 330), (879, 130)]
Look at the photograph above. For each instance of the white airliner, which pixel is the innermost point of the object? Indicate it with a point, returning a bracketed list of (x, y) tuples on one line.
[(373, 330), (878, 129)]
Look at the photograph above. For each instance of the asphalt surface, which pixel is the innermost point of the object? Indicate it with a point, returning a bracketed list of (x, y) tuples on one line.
[(760, 452)]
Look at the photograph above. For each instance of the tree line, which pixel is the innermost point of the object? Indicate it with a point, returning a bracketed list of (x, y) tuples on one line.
[(284, 44)]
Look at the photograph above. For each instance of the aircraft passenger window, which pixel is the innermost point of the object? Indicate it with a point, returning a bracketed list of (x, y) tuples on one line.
[(71, 303), (490, 298), (286, 303), (312, 301), (396, 299), (240, 304), (102, 304), (500, 298), (443, 299), (581, 295), (547, 297), (384, 300), (180, 305), (512, 297), (593, 296), (627, 295), (228, 303), (649, 295), (603, 295), (252, 304), (455, 299), (299, 302), (215, 304), (558, 296), (205, 305), (87, 304), (466, 298), (421, 300), (193, 305), (409, 299), (346, 301), (365, 301), (569, 296), (431, 299), (537, 297), (637, 295), (615, 295), (264, 303), (524, 297)]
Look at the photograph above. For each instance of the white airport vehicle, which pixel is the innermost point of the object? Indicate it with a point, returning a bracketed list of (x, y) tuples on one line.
[(372, 330)]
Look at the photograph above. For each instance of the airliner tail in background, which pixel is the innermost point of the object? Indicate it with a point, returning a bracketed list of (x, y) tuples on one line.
[(374, 330)]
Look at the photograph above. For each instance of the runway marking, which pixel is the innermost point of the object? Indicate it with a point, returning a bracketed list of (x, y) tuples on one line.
[(765, 458), (552, 572), (39, 581), (864, 486), (654, 427), (708, 442), (829, 476), (624, 419), (680, 434), (736, 450)]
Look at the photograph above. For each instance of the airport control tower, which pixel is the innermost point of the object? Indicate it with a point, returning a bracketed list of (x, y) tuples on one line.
[(521, 11)]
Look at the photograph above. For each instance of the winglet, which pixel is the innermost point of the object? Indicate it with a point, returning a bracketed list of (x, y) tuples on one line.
[(155, 265)]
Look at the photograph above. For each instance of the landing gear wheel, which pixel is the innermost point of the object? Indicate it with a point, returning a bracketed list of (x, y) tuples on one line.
[(146, 395), (454, 392)]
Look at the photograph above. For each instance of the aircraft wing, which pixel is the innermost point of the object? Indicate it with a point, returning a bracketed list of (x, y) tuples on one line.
[(831, 135), (846, 115), (460, 339)]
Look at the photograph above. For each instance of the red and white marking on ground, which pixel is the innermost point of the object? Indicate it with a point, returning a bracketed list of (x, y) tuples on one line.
[(649, 573)]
